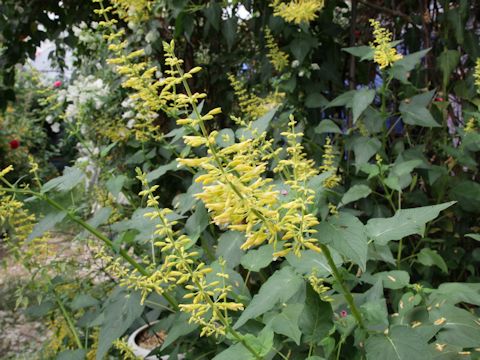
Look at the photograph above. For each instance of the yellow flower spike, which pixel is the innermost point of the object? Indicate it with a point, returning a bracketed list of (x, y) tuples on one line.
[(329, 165), (5, 171), (297, 11), (470, 126), (277, 57), (384, 54), (476, 74)]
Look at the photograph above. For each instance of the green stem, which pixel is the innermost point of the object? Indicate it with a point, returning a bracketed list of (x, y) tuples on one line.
[(68, 319), (399, 253), (346, 292)]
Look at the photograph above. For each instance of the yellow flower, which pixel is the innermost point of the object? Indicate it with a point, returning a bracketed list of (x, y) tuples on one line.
[(329, 165), (297, 11), (470, 125), (278, 58), (476, 74), (384, 54)]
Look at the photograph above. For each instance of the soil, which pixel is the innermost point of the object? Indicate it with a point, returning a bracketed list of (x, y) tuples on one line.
[(148, 339)]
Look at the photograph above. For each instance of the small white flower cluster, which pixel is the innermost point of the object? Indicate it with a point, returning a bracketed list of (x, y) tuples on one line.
[(341, 17), (85, 91), (87, 35)]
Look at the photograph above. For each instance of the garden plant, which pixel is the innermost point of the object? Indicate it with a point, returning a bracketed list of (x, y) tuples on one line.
[(252, 180)]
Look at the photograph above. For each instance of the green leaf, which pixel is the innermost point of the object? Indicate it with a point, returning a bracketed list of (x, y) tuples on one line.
[(262, 343), (286, 323), (229, 247), (100, 217), (225, 138), (364, 148), (235, 352), (82, 301), (120, 311), (311, 260), (345, 99), (454, 293), (115, 184), (327, 126), (279, 287), (71, 177), (257, 126), (429, 257), (315, 100), (46, 224), (346, 234), (467, 193), (361, 99), (395, 279), (460, 327), (364, 52), (414, 111), (229, 31), (405, 222), (79, 354), (316, 319), (402, 68), (107, 149), (475, 237), (161, 170), (447, 62), (401, 343), (257, 259), (181, 327), (197, 222), (355, 193)]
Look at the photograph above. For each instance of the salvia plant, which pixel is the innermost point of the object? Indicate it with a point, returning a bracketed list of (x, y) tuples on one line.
[(257, 235)]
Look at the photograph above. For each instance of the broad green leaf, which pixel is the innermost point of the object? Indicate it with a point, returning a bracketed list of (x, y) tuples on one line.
[(414, 111), (429, 257), (364, 52), (395, 279), (447, 62), (345, 99), (454, 293), (229, 247), (120, 311), (181, 327), (405, 167), (257, 127), (82, 301), (311, 260), (315, 100), (257, 259), (71, 177), (78, 354), (235, 352), (364, 148), (467, 193), (346, 234), (225, 138), (262, 343), (459, 327), (327, 126), (402, 68), (161, 170), (46, 224), (229, 31), (115, 184), (316, 319), (107, 149), (475, 237), (355, 193), (279, 287), (286, 322), (197, 222), (100, 217), (400, 343), (361, 99), (405, 222)]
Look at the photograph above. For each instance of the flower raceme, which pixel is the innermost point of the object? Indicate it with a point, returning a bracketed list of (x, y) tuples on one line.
[(297, 11), (384, 54)]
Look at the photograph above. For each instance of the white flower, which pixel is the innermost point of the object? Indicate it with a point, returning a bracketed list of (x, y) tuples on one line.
[(49, 119), (55, 127), (130, 123), (295, 63)]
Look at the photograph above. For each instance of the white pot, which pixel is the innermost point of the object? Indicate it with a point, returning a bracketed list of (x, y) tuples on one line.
[(142, 352)]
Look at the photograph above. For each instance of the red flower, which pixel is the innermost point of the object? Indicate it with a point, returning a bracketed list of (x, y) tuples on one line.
[(57, 84), (343, 313), (14, 144)]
